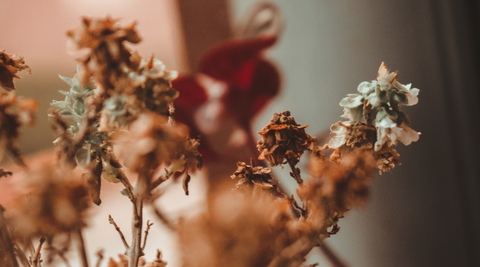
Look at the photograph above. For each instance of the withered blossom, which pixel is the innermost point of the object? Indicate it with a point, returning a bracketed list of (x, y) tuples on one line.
[(158, 262), (104, 39), (251, 178), (236, 232), (284, 140), (14, 113), (153, 85), (155, 142), (9, 66), (53, 201)]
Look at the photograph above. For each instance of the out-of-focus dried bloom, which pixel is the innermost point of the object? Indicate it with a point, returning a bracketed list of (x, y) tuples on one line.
[(237, 232), (336, 188), (284, 140), (64, 143), (158, 262), (13, 113), (54, 202), (9, 68), (153, 86), (108, 56), (123, 261), (156, 143), (251, 178), (27, 109)]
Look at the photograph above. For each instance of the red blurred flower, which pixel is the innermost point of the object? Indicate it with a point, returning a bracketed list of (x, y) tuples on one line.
[(234, 83)]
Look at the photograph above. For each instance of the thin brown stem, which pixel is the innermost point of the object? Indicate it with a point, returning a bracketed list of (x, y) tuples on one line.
[(295, 172), (135, 250), (146, 234), (294, 254), (21, 256), (124, 180), (161, 179), (163, 218), (331, 255), (36, 262), (110, 219), (81, 248), (100, 257)]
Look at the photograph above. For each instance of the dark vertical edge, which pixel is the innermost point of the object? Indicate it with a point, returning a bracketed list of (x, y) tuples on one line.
[(455, 26), (204, 23)]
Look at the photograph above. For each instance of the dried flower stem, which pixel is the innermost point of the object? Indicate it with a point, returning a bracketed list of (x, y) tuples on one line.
[(19, 252), (110, 219), (5, 239), (36, 262), (295, 172), (164, 219), (124, 180), (146, 234), (331, 255), (81, 248), (100, 257), (135, 250), (294, 254), (161, 179)]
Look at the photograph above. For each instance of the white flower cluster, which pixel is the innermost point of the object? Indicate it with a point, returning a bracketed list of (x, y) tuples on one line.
[(378, 104)]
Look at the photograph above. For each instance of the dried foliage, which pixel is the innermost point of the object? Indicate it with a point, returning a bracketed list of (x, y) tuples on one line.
[(117, 99)]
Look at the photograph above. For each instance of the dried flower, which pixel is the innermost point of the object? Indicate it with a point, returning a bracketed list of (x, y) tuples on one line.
[(379, 103), (157, 143), (284, 140), (8, 69), (376, 121), (251, 177), (55, 201), (236, 232), (158, 262), (104, 38), (13, 114)]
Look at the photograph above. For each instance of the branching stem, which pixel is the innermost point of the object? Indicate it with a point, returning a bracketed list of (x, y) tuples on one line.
[(100, 257), (110, 219), (146, 234)]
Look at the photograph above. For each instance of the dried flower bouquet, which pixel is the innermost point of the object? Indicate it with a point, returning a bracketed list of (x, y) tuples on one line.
[(119, 115)]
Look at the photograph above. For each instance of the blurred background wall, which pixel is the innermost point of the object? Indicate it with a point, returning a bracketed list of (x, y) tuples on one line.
[(425, 213)]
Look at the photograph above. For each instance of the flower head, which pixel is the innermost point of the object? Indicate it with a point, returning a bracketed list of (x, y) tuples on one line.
[(55, 201), (155, 142), (9, 68), (284, 140)]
